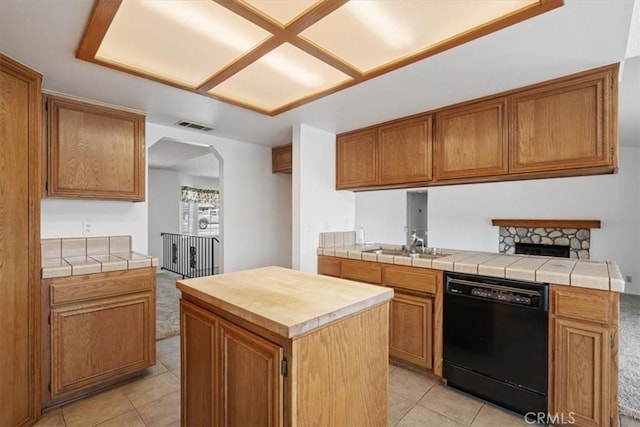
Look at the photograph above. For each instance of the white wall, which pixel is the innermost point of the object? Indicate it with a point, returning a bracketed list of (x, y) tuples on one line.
[(64, 218), (252, 202), (460, 215), (317, 206)]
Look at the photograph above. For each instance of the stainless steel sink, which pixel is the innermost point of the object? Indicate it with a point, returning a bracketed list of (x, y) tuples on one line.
[(400, 252)]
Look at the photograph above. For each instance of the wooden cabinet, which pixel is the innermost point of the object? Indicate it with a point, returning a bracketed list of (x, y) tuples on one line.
[(404, 151), (329, 266), (20, 148), (102, 330), (415, 316), (471, 141), (583, 347), (281, 159), (94, 151), (362, 271), (411, 329), (234, 378), (565, 125), (357, 159), (562, 127), (236, 373), (393, 154)]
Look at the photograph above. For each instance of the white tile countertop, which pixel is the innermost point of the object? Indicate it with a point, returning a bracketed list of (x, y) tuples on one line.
[(603, 275), (76, 256)]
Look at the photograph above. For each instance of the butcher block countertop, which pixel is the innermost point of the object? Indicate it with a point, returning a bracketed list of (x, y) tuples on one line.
[(286, 302)]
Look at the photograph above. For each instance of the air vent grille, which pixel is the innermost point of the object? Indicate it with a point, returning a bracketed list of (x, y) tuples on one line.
[(193, 125)]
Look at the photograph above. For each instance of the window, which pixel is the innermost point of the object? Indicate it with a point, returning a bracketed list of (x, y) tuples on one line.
[(199, 211)]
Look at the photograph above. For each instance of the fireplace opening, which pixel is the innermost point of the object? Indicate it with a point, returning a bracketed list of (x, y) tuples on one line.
[(559, 251)]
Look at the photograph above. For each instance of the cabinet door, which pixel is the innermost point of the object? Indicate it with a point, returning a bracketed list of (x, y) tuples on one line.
[(411, 329), (199, 346), (581, 372), (91, 343), (566, 125), (281, 160), (19, 243), (405, 151), (357, 159), (252, 387), (94, 152), (471, 141)]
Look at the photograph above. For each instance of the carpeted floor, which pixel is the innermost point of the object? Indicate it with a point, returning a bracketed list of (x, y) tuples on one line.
[(629, 361), (168, 325), (167, 305)]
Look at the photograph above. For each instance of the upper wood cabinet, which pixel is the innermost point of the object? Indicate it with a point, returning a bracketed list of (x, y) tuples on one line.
[(393, 154), (20, 149), (281, 159), (94, 151), (357, 159), (471, 141), (404, 151), (565, 125)]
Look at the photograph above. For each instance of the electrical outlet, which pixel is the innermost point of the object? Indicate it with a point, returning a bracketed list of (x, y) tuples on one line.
[(628, 279), (87, 229)]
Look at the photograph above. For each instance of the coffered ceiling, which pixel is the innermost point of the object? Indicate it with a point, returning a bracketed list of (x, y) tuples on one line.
[(273, 55)]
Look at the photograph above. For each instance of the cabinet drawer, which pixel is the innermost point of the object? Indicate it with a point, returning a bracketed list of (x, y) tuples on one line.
[(362, 271), (580, 303), (329, 266), (410, 278), (92, 286)]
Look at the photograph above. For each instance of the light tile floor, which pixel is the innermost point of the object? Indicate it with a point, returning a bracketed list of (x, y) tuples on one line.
[(154, 400)]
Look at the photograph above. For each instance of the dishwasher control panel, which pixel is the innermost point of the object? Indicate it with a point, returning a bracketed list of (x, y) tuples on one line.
[(533, 295)]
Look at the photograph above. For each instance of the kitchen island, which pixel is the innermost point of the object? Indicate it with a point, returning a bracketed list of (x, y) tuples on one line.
[(273, 346)]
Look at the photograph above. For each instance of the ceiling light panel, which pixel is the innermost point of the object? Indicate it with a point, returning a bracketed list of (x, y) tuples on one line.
[(282, 11), (282, 76), (377, 33), (182, 41)]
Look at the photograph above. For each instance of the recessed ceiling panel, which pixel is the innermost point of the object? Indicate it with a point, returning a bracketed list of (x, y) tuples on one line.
[(376, 33), (282, 76), (183, 41), (282, 11)]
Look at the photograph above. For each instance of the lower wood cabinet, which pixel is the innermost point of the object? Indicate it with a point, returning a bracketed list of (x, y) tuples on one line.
[(102, 337), (584, 365), (235, 373), (411, 329), (415, 316)]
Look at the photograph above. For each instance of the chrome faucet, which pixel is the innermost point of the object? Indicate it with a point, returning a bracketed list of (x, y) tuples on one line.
[(414, 241)]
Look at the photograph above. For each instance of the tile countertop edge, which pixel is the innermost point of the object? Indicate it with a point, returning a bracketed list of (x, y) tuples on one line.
[(278, 328), (613, 282)]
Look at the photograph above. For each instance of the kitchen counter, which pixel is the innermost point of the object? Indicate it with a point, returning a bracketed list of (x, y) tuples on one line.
[(66, 257), (286, 302), (604, 275)]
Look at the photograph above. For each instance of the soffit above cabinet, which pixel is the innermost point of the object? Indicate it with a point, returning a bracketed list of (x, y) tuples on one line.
[(272, 56)]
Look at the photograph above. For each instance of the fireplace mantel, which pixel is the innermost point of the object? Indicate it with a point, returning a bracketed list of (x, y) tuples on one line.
[(547, 223)]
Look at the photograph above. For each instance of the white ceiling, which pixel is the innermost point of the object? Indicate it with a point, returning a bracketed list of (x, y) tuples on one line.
[(191, 159), (580, 35)]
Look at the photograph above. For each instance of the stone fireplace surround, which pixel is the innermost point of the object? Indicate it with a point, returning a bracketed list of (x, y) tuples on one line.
[(573, 233)]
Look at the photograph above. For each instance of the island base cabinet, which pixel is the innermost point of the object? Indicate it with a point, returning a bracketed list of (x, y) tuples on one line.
[(236, 374), (230, 376)]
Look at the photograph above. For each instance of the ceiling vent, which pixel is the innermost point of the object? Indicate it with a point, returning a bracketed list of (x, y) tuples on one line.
[(193, 125)]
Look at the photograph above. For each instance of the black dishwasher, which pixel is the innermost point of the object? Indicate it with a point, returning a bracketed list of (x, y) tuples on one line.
[(495, 340)]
